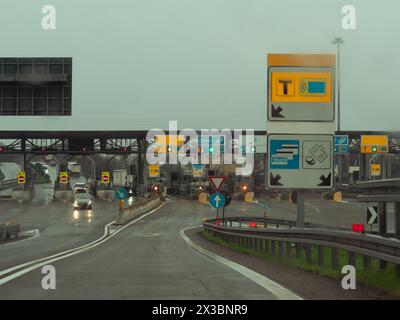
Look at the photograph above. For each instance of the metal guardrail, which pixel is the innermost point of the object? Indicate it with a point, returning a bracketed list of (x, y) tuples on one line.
[(386, 250), (7, 184)]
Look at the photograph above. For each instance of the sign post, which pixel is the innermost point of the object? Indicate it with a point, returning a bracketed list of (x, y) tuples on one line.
[(301, 124), (217, 199)]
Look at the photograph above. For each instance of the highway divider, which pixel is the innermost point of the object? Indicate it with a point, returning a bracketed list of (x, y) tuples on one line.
[(281, 241), (138, 208)]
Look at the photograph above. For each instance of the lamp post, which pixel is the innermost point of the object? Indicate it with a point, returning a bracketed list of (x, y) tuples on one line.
[(338, 42)]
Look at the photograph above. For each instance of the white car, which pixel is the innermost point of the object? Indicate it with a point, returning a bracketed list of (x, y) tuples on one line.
[(83, 201), (80, 188)]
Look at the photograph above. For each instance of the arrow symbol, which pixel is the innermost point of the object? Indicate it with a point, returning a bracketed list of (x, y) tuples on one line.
[(373, 216), (276, 112), (217, 199), (326, 181), (274, 181)]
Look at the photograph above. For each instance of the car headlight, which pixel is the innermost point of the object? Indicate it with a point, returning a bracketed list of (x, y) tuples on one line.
[(75, 203), (90, 202)]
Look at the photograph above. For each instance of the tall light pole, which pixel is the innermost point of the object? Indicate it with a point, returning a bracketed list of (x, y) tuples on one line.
[(338, 42)]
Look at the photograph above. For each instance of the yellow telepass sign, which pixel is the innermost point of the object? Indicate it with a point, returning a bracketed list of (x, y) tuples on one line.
[(301, 87), (375, 169), (154, 171), (374, 144), (168, 143)]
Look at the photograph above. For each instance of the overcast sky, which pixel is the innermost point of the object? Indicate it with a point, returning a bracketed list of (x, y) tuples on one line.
[(139, 63)]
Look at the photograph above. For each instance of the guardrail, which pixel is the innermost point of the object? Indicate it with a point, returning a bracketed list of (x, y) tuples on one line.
[(368, 246), (9, 231), (8, 183)]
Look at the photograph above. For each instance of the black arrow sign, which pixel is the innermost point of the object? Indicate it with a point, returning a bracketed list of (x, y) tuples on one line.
[(274, 181), (326, 181), (276, 112)]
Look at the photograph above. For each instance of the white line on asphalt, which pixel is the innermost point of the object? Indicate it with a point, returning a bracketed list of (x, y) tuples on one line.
[(276, 289), (65, 254)]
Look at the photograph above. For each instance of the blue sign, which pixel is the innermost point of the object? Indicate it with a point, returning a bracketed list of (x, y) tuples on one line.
[(217, 200), (120, 194), (284, 154), (211, 140), (341, 144)]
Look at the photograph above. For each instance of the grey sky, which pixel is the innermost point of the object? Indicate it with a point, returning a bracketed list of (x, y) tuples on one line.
[(138, 64)]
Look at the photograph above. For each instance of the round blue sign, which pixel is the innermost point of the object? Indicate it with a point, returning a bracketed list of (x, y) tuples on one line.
[(120, 194), (217, 200)]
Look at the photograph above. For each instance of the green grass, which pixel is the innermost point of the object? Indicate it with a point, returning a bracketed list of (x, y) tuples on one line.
[(387, 279)]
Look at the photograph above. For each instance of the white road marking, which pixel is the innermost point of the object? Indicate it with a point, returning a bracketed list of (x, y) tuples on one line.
[(276, 289), (65, 254)]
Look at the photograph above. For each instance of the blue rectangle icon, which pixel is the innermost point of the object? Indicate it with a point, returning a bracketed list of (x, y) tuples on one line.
[(284, 154), (316, 87)]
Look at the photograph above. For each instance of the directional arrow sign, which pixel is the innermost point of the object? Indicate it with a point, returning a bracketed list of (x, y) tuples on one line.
[(217, 200), (372, 215), (217, 182), (120, 194)]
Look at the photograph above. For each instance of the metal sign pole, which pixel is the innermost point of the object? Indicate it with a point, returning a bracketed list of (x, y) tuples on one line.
[(300, 209)]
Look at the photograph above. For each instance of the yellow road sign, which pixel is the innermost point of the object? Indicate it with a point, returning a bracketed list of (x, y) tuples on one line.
[(168, 143), (374, 144), (301, 87), (375, 169), (63, 177), (154, 171), (105, 177), (21, 178)]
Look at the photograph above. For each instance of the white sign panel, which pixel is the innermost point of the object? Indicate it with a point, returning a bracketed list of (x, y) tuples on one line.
[(300, 161)]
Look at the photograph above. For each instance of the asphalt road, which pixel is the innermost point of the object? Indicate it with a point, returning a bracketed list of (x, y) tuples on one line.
[(147, 260), (61, 228)]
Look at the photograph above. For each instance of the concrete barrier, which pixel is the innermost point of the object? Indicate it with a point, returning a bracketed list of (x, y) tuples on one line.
[(9, 231), (21, 195), (64, 195), (138, 209), (105, 194)]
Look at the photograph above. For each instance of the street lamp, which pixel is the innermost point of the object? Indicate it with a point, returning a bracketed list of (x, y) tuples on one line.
[(338, 42)]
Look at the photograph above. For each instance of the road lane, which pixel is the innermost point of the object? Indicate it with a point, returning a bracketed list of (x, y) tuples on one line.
[(148, 260), (61, 228)]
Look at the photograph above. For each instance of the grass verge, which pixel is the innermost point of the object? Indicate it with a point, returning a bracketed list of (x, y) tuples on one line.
[(387, 279)]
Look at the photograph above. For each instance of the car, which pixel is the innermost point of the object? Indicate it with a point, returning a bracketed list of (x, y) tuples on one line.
[(129, 191), (80, 188), (83, 201)]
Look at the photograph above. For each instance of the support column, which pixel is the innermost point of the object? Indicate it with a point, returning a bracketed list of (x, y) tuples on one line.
[(300, 209)]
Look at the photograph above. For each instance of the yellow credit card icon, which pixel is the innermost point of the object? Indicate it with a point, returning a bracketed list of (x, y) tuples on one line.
[(301, 87)]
